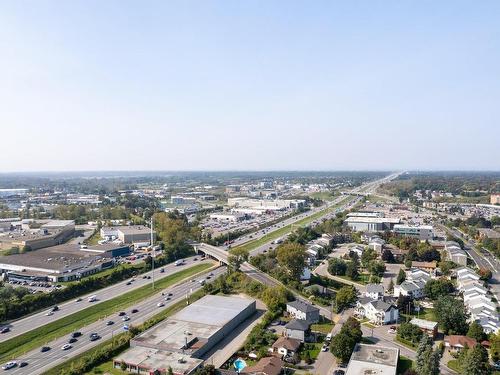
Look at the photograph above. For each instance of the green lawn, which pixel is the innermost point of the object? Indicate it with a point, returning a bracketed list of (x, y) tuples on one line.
[(404, 364), (138, 266), (453, 364), (322, 327), (107, 368), (41, 335), (250, 245), (324, 195), (427, 314), (312, 348)]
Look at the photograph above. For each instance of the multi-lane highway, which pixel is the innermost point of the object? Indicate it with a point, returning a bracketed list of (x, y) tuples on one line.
[(21, 326), (40, 362)]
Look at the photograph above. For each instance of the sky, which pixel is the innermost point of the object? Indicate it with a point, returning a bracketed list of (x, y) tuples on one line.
[(249, 85)]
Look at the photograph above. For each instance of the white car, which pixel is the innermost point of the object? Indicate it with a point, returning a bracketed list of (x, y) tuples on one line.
[(160, 304), (391, 330), (9, 365), (49, 313), (66, 347), (125, 318)]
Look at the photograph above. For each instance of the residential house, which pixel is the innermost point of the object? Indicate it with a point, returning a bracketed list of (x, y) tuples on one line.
[(377, 311), (286, 347), (298, 329), (414, 289), (429, 267), (358, 249), (414, 274), (489, 324), (459, 342), (303, 311), (265, 366), (455, 253), (426, 326), (374, 291), (376, 244)]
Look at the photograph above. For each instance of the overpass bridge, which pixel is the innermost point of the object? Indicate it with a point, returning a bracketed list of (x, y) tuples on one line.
[(212, 252)]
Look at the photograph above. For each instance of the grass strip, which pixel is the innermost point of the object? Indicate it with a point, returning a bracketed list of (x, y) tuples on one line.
[(250, 245), (89, 354), (37, 337)]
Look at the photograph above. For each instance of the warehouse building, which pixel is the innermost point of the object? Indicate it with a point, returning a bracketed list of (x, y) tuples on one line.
[(422, 232), (61, 263), (371, 224), (131, 234), (37, 234), (181, 340)]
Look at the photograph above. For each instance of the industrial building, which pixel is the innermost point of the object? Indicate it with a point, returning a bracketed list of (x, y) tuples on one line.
[(36, 234), (131, 234), (249, 205), (422, 232), (373, 359), (371, 224), (181, 340), (61, 263)]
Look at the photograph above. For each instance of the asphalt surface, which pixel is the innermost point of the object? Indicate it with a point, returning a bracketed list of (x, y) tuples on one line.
[(21, 326), (40, 362)]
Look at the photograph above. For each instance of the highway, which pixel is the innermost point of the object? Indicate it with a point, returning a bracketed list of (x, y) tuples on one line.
[(26, 324), (40, 362)]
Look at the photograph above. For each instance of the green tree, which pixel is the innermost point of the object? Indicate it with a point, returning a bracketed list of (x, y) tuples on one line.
[(410, 332), (451, 315), (427, 361), (292, 257), (352, 270), (476, 332), (346, 296), (401, 277), (123, 366), (236, 258), (342, 346), (387, 256), (435, 289), (367, 256), (377, 268), (476, 362), (337, 267), (495, 347)]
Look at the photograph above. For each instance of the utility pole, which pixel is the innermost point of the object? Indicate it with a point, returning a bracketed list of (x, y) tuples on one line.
[(152, 254)]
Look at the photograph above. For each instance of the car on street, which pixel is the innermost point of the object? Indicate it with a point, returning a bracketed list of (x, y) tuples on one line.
[(44, 349), (78, 299), (66, 347), (339, 372), (324, 348), (110, 323), (129, 283), (23, 364), (72, 340), (76, 334), (55, 308), (5, 330), (49, 313), (162, 270), (392, 330), (122, 313), (167, 298), (94, 337), (9, 365), (126, 318), (160, 304), (134, 311)]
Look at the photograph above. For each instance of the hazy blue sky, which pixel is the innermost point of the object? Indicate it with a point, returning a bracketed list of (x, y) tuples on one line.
[(167, 85)]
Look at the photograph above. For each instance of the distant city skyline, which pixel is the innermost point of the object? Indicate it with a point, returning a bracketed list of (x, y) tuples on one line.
[(249, 86)]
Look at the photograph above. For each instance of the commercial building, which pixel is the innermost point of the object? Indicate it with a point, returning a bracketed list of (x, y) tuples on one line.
[(181, 340), (371, 224), (37, 234), (131, 234), (61, 263), (263, 205), (422, 232), (373, 359)]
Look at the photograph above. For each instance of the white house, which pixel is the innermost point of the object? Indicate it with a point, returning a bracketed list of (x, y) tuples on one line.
[(378, 311), (302, 311), (358, 249), (374, 291), (413, 289)]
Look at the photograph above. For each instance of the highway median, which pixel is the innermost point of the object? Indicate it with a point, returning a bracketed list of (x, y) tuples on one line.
[(16, 346)]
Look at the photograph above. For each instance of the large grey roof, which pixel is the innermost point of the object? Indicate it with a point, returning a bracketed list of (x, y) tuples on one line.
[(302, 306), (299, 325), (375, 288), (381, 305)]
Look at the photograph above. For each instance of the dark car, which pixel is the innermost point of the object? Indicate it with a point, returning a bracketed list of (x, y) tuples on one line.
[(55, 308), (339, 372), (94, 337), (45, 349), (170, 294), (5, 330), (72, 340), (195, 259), (110, 323), (23, 364), (162, 270), (76, 334), (134, 311), (122, 313), (129, 283)]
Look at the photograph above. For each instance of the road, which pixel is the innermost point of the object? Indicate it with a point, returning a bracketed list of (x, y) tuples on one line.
[(21, 326), (40, 362)]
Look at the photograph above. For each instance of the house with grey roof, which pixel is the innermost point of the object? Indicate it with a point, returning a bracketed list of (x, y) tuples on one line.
[(303, 311), (298, 329), (374, 291), (377, 311)]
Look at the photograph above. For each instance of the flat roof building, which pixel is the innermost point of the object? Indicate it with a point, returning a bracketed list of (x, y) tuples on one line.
[(187, 335), (371, 224), (373, 359), (422, 232), (128, 233)]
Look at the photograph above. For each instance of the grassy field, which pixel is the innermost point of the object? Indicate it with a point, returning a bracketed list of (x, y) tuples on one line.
[(312, 348), (107, 368), (41, 335), (324, 195), (427, 314), (322, 327), (404, 364), (250, 245), (138, 266)]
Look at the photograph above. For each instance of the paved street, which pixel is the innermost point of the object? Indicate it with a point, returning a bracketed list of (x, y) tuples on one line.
[(40, 362), (21, 326)]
